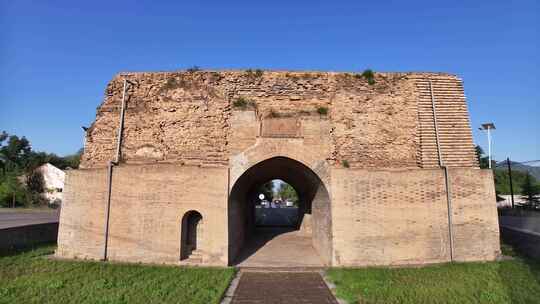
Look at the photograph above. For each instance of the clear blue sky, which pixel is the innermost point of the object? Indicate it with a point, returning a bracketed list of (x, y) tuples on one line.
[(57, 56)]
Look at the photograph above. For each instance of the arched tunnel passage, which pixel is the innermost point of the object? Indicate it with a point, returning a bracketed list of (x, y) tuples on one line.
[(306, 243), (277, 205)]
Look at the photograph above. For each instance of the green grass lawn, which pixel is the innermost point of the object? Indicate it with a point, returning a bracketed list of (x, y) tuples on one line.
[(32, 278), (511, 281)]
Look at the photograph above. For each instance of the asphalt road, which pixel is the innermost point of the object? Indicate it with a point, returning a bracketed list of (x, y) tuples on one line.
[(531, 223), (276, 216), (9, 218)]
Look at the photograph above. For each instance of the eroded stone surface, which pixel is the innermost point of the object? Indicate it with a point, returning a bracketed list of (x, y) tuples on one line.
[(364, 157), (193, 118)]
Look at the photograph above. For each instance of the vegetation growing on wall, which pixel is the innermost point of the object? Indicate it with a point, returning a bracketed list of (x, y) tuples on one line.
[(243, 103), (345, 163), (193, 69), (170, 84), (258, 73), (322, 110), (369, 76)]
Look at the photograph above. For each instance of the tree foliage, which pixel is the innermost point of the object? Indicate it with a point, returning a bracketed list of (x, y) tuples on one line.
[(268, 190), (12, 192), (502, 178), (530, 191), (519, 180), (483, 160), (20, 183), (286, 191)]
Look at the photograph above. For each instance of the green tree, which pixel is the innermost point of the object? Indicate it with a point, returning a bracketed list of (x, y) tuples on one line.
[(12, 192), (502, 181), (35, 182), (14, 152), (530, 191), (73, 161), (268, 190), (483, 160), (20, 183), (287, 191)]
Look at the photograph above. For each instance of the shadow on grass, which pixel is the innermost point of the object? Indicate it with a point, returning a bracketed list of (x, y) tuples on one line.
[(24, 249)]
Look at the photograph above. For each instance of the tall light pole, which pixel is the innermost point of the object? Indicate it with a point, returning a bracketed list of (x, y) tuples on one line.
[(488, 127)]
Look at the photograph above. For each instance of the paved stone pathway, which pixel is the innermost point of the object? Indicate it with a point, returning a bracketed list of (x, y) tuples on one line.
[(282, 288)]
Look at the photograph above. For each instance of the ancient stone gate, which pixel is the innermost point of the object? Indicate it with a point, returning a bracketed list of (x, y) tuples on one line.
[(386, 171)]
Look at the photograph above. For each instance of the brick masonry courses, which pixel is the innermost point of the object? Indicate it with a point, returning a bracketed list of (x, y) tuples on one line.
[(188, 139)]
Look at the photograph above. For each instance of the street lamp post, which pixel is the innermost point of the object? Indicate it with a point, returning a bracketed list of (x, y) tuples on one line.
[(488, 127)]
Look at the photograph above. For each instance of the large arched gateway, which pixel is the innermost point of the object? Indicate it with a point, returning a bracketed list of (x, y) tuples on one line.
[(385, 171), (314, 219)]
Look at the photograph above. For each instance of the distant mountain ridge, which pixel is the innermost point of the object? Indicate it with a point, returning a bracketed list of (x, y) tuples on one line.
[(532, 167)]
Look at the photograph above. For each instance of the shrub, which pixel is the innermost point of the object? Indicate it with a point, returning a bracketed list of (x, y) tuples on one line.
[(322, 110), (345, 163), (170, 84), (240, 102), (369, 76), (258, 73), (193, 69), (294, 77), (243, 103)]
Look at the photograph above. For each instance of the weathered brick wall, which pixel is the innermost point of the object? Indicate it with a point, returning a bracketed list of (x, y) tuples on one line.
[(455, 137), (186, 144), (375, 125), (401, 217), (378, 217), (476, 225), (147, 206), (190, 118), (321, 218), (82, 217)]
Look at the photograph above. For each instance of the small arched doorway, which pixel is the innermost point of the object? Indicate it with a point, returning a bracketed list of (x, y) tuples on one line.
[(190, 231), (309, 236)]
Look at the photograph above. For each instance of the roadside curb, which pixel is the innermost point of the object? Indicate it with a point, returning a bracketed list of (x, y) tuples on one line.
[(229, 293)]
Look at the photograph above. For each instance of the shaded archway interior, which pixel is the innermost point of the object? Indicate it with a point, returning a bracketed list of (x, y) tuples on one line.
[(190, 230), (314, 221)]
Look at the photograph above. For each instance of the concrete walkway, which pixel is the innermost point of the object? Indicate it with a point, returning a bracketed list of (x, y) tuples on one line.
[(282, 288), (279, 248)]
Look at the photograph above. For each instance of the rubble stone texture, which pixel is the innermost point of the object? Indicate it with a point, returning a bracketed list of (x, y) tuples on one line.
[(364, 158), (187, 117)]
